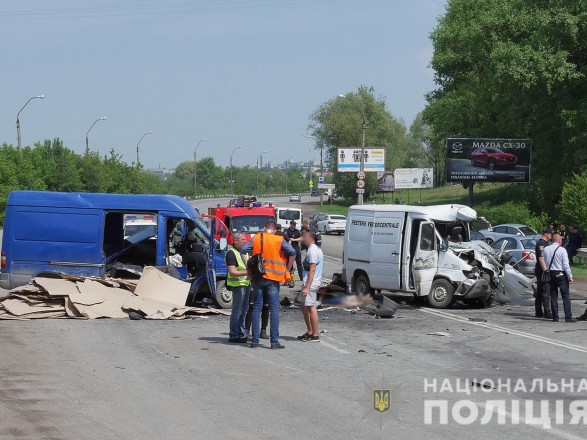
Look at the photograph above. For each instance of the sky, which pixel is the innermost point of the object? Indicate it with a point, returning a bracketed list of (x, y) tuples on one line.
[(236, 72)]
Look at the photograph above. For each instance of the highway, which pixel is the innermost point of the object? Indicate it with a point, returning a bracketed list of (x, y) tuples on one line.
[(122, 379)]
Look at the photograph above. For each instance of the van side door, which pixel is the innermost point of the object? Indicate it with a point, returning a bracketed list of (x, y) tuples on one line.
[(386, 250), (425, 263)]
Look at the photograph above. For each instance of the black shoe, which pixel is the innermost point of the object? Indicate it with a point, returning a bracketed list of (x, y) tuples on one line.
[(254, 346), (304, 336), (555, 319), (312, 339), (582, 317), (539, 315), (237, 340), (548, 316), (264, 335), (277, 345), (570, 320)]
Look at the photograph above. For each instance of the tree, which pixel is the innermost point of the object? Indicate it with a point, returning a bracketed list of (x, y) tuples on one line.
[(338, 123), (515, 69)]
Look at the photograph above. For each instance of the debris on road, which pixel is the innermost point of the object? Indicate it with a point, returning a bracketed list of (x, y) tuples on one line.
[(446, 334), (155, 295), (474, 319), (384, 307)]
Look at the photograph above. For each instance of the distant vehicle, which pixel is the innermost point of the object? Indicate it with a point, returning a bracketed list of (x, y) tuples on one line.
[(332, 223), (295, 198), (285, 215), (319, 216), (314, 193), (493, 158), (521, 250), (508, 230), (268, 203), (134, 226)]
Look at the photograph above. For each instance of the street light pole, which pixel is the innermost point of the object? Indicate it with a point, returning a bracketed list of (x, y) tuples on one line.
[(231, 177), (321, 166), (88, 132), (260, 158), (195, 165), (139, 143), (363, 129), (18, 137)]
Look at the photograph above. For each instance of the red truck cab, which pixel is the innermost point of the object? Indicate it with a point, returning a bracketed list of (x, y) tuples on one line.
[(249, 220)]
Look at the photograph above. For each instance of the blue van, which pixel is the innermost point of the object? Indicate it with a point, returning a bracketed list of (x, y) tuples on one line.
[(89, 234)]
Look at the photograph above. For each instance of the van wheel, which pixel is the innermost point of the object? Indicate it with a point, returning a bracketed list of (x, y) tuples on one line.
[(223, 297), (441, 294), (362, 286)]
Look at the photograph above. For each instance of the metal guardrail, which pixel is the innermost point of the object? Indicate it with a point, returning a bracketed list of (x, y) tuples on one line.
[(232, 196)]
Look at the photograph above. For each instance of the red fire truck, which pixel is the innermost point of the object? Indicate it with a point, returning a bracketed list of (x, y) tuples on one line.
[(249, 220)]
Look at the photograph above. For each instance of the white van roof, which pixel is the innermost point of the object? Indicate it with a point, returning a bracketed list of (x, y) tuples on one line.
[(442, 213)]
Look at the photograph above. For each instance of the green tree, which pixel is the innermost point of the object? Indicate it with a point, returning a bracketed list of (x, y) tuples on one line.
[(338, 123), (515, 69)]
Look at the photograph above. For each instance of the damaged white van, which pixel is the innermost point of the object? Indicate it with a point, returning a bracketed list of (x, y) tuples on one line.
[(424, 250)]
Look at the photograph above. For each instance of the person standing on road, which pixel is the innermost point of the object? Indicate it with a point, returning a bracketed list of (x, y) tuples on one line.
[(574, 244), (238, 282), (313, 265), (557, 262), (294, 236), (542, 301), (278, 257)]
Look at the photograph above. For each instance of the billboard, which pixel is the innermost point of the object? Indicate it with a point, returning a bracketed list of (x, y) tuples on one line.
[(348, 160), (385, 182), (488, 160), (410, 178)]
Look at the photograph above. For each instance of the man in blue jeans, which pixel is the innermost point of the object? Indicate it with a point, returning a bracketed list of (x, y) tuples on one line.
[(557, 263), (278, 257), (238, 282)]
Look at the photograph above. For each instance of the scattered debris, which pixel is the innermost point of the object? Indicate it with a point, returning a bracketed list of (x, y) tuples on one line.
[(155, 295), (481, 385), (362, 351), (448, 335), (323, 331), (285, 302), (383, 308), (477, 319)]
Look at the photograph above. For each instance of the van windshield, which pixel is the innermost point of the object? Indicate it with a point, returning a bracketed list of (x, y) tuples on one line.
[(289, 214)]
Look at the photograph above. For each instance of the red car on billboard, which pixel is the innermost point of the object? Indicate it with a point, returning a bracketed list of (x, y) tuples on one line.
[(493, 158)]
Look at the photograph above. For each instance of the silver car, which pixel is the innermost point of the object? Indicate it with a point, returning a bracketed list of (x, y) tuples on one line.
[(521, 250), (295, 198), (508, 230)]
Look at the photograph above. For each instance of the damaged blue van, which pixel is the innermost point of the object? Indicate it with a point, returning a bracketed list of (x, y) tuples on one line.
[(100, 235)]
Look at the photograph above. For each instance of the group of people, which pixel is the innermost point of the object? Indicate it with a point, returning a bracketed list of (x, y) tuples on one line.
[(554, 253), (256, 291)]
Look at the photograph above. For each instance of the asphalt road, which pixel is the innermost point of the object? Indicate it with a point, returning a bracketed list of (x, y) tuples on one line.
[(122, 379)]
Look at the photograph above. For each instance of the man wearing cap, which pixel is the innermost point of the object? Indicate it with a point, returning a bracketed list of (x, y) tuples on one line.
[(294, 236), (542, 301)]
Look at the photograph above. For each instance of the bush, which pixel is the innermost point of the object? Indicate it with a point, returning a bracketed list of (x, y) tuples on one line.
[(512, 212), (573, 206)]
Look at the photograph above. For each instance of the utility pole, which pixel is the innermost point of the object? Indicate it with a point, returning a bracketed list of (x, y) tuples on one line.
[(362, 166), (139, 143), (195, 165), (88, 132), (18, 136)]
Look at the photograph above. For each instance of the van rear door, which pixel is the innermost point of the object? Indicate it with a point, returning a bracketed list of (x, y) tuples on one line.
[(425, 263), (386, 250)]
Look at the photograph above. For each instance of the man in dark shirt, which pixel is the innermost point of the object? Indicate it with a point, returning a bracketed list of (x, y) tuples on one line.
[(542, 302), (574, 244), (294, 236)]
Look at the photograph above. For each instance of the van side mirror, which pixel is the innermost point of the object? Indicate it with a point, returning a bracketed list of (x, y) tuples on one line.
[(444, 245), (223, 243)]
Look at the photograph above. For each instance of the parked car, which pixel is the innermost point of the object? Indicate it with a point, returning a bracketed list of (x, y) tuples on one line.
[(508, 230), (314, 193), (521, 250), (493, 158), (332, 223), (295, 198), (318, 217)]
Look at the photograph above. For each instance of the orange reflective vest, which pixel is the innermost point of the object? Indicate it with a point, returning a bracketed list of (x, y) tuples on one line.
[(275, 261)]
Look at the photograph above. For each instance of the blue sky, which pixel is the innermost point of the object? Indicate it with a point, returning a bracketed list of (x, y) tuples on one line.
[(238, 72)]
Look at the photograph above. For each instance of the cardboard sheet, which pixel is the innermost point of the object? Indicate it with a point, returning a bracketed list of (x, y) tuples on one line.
[(56, 286), (156, 285)]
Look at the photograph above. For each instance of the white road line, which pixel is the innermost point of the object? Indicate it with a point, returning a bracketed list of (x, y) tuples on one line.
[(328, 257), (561, 344), (333, 347), (517, 420), (269, 362)]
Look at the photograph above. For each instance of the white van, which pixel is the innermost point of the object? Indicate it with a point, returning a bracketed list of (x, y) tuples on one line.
[(286, 215), (419, 250)]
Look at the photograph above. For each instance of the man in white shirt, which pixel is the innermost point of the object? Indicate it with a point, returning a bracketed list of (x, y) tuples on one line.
[(312, 275), (557, 262)]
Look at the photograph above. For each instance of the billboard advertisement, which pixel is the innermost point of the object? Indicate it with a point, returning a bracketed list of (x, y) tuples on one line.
[(488, 160), (411, 178), (385, 182), (348, 159)]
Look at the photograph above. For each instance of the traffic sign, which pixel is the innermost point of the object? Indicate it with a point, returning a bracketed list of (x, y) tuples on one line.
[(360, 184), (360, 191), (361, 175), (321, 179), (326, 186), (311, 184)]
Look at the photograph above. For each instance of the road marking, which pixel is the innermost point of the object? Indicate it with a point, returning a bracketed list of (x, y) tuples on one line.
[(516, 419), (501, 329), (328, 257), (333, 347), (269, 362)]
